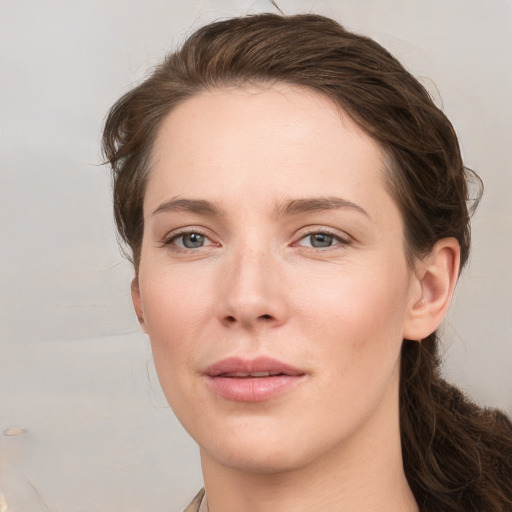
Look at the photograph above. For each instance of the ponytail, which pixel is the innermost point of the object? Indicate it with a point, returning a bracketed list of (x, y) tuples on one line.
[(457, 456)]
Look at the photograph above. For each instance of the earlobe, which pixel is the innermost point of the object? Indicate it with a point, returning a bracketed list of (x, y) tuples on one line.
[(137, 302), (436, 277)]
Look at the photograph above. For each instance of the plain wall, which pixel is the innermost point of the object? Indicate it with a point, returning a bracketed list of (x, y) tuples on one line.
[(75, 372)]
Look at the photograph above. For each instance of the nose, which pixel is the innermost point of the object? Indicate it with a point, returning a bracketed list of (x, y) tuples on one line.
[(252, 291)]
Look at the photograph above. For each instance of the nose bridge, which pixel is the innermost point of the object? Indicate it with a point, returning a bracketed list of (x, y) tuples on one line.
[(251, 289)]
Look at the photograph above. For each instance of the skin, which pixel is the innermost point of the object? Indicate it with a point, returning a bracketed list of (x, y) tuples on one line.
[(252, 283)]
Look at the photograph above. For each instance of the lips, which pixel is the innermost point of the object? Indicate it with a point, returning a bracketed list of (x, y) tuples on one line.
[(252, 380), (242, 375)]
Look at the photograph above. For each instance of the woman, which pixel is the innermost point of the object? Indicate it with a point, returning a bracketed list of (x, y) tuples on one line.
[(295, 207)]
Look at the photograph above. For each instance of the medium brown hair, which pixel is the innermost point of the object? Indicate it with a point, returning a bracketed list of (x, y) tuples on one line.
[(456, 456)]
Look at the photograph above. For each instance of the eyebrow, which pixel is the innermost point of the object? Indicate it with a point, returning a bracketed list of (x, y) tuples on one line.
[(289, 208), (200, 206), (305, 205)]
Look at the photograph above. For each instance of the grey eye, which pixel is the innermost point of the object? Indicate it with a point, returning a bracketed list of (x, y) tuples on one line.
[(193, 240), (320, 240)]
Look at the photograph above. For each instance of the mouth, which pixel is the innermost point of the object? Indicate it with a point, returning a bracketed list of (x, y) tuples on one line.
[(252, 380), (249, 375)]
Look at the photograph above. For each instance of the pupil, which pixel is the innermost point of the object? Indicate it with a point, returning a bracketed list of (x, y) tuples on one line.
[(321, 240), (193, 240)]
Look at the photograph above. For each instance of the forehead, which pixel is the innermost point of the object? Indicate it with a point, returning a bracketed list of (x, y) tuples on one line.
[(279, 139), (258, 111)]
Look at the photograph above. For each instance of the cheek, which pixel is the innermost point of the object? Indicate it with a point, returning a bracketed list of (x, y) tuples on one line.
[(176, 311), (358, 317), (356, 329)]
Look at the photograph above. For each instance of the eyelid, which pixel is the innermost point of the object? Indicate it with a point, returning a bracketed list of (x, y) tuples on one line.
[(168, 239), (342, 237)]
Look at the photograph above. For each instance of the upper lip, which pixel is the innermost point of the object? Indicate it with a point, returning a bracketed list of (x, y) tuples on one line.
[(240, 367)]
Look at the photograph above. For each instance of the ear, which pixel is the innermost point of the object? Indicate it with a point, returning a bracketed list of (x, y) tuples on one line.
[(432, 290), (137, 302)]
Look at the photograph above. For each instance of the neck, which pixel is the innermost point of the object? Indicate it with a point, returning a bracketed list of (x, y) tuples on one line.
[(376, 489), (365, 473)]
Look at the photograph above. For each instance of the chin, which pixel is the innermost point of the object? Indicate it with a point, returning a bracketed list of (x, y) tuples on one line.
[(254, 459), (260, 445)]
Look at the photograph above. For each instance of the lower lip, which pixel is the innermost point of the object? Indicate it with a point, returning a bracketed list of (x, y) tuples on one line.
[(257, 389)]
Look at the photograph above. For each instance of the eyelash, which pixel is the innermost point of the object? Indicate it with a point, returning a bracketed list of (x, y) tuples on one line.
[(169, 241), (337, 239)]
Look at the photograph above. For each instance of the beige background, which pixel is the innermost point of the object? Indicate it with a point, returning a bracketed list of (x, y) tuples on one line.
[(75, 372)]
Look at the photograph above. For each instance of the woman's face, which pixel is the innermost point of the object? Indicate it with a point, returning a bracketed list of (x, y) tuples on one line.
[(273, 281)]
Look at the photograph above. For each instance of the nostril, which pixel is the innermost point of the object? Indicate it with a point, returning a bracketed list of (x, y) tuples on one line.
[(230, 319)]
